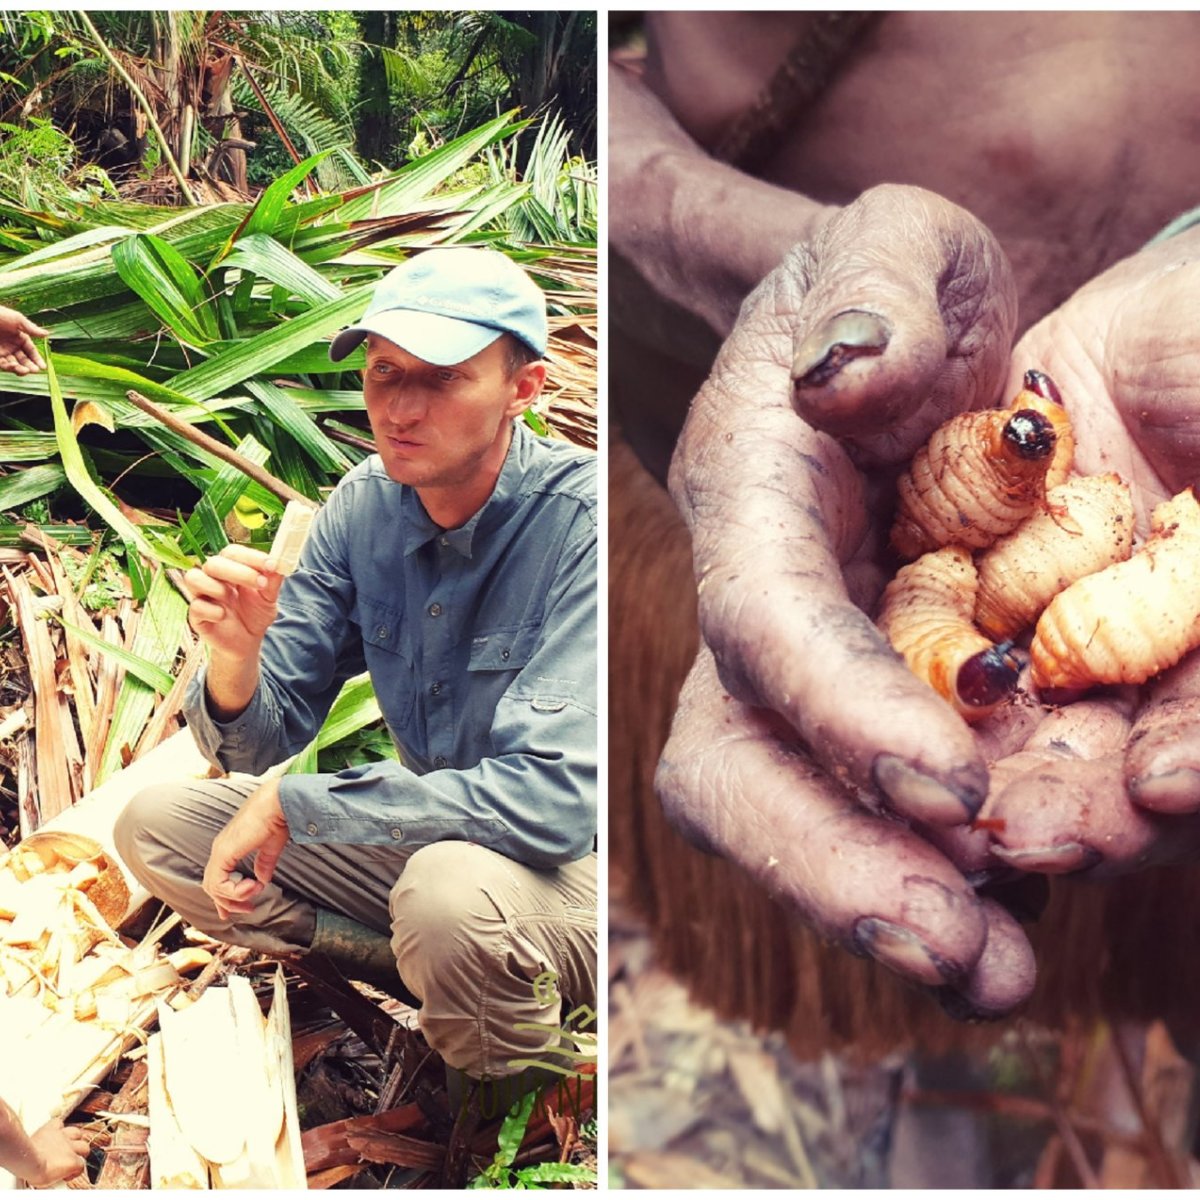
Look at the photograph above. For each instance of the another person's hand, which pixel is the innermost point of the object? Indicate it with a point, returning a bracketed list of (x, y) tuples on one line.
[(61, 1153), (259, 828), (18, 354), (234, 600), (1125, 352), (899, 314)]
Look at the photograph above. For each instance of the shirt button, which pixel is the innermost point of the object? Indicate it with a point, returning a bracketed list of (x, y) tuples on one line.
[(504, 654), (435, 610), (435, 688), (381, 633), (312, 829), (443, 541), (397, 834), (439, 762)]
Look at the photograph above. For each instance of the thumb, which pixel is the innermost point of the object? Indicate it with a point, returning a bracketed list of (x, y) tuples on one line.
[(1152, 369), (908, 320), (270, 592)]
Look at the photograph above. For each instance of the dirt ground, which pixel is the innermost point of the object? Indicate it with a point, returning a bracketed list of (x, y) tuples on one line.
[(699, 1102)]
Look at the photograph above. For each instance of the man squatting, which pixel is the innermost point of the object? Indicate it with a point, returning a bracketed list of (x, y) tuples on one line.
[(458, 566)]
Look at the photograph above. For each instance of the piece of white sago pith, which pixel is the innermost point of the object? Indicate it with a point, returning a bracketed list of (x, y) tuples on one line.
[(291, 535)]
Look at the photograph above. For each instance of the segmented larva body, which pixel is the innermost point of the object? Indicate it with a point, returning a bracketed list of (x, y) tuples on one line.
[(1133, 619), (977, 478), (1041, 394), (926, 615), (291, 536), (1085, 525)]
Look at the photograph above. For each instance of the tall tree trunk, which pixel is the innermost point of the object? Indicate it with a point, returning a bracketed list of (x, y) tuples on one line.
[(560, 72), (228, 160), (375, 125)]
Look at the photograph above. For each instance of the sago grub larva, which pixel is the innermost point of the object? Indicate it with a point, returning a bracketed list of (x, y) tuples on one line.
[(1085, 525), (1042, 395), (1133, 619), (926, 615), (291, 536), (977, 478)]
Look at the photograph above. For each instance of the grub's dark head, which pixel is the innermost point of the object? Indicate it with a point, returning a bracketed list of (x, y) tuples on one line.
[(1030, 434), (987, 677), (1042, 385)]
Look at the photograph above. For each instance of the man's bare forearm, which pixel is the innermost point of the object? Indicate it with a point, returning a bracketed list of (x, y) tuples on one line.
[(17, 1151), (699, 232), (230, 684)]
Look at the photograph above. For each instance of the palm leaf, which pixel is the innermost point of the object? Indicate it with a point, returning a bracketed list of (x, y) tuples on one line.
[(169, 286), (159, 633), (81, 480), (32, 483), (260, 353), (149, 673), (264, 257), (354, 709), (410, 185)]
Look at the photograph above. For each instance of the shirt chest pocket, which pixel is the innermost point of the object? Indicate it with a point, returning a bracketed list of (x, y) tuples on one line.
[(507, 649), (389, 658)]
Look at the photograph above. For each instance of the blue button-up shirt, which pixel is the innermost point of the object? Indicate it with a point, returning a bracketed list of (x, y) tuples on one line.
[(481, 644)]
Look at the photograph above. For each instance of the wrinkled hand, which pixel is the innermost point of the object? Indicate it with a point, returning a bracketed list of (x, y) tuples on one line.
[(1125, 352), (898, 315), (61, 1153), (234, 600), (259, 828), (18, 354)]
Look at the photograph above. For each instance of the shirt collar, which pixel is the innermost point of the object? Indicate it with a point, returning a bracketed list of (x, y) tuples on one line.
[(420, 528)]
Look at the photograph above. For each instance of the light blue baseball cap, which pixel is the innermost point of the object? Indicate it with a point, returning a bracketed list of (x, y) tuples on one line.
[(447, 305)]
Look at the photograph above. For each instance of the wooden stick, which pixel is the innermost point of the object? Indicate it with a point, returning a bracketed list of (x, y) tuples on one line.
[(349, 439), (198, 437)]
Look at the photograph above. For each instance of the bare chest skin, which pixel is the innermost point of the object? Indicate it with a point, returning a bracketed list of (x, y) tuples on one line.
[(1071, 135)]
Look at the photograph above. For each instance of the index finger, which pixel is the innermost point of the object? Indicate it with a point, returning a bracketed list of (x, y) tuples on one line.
[(242, 566), (775, 508)]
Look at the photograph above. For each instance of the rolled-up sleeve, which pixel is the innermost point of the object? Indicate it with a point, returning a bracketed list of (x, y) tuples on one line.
[(533, 798)]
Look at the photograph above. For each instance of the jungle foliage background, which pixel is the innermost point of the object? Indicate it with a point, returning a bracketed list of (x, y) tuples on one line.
[(193, 203)]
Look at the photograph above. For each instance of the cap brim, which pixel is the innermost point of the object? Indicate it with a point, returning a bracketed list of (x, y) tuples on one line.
[(443, 341)]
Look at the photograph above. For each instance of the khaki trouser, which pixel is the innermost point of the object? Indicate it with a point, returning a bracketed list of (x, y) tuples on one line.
[(474, 933)]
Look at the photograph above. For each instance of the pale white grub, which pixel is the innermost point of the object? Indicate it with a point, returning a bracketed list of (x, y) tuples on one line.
[(291, 536)]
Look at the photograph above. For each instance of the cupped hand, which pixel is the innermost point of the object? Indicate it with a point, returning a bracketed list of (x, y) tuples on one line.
[(258, 828), (1125, 352), (234, 600), (18, 354), (797, 711)]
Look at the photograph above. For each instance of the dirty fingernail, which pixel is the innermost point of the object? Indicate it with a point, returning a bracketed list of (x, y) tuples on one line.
[(1174, 791), (849, 335), (926, 798), (1059, 859), (900, 949)]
